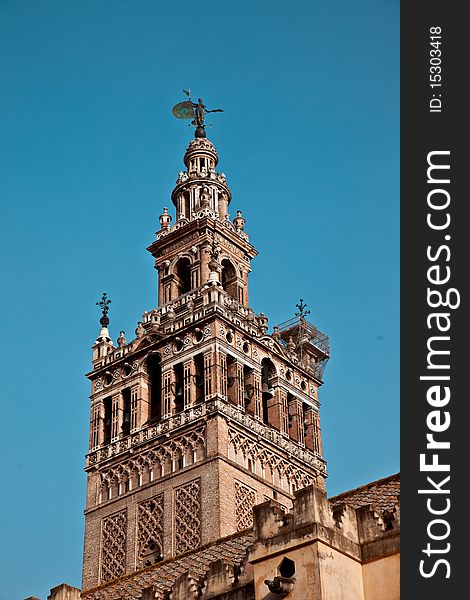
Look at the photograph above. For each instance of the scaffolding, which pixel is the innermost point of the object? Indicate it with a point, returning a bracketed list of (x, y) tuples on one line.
[(310, 345)]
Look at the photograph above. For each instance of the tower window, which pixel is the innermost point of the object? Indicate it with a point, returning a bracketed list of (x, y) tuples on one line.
[(107, 420), (154, 371), (268, 371), (126, 416), (199, 373), (229, 278), (183, 275), (249, 392), (178, 387)]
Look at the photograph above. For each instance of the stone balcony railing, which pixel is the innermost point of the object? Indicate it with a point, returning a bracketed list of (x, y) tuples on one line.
[(191, 307), (198, 299), (201, 412)]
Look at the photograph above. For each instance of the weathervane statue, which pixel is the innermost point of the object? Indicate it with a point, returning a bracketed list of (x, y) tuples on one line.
[(195, 111)]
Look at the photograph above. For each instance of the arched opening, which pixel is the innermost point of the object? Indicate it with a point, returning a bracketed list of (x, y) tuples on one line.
[(178, 387), (126, 414), (151, 553), (229, 278), (234, 380), (249, 390), (154, 371), (268, 372), (107, 402), (183, 275)]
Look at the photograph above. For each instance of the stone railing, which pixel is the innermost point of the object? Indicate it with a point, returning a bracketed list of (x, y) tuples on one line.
[(202, 411)]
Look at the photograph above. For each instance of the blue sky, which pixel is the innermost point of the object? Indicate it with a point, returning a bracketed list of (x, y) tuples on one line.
[(90, 152)]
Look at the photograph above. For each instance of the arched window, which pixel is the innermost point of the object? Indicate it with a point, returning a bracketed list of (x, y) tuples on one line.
[(178, 387), (154, 371), (126, 415), (229, 278), (268, 371), (183, 275), (107, 420)]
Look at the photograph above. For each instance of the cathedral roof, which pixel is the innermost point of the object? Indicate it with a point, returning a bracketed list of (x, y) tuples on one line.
[(383, 493), (162, 576)]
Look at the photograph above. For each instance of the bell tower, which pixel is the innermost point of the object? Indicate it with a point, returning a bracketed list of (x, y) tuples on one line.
[(203, 245), (203, 414)]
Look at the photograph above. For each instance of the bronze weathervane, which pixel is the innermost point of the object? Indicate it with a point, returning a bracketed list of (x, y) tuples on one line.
[(195, 111)]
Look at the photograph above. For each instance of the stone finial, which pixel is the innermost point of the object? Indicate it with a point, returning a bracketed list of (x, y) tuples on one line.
[(140, 329), (275, 334), (104, 321), (262, 323), (104, 305), (165, 219), (239, 221)]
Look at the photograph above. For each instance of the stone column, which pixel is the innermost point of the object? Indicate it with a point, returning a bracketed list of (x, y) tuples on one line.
[(189, 388), (143, 400), (222, 388), (195, 270), (116, 416), (204, 264), (276, 417), (135, 408), (167, 393), (96, 435), (257, 398), (240, 383), (296, 430), (208, 375)]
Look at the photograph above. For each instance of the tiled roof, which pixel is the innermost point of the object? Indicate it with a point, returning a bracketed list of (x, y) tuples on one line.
[(163, 575), (383, 494)]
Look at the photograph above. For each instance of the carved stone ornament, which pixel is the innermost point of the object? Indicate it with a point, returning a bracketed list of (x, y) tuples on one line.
[(281, 586)]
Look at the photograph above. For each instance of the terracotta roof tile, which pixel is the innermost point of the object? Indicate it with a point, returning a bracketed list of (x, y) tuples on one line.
[(383, 493), (163, 575)]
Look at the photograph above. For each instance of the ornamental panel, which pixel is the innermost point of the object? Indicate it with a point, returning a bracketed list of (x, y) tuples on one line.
[(150, 532), (113, 546), (245, 499), (188, 517)]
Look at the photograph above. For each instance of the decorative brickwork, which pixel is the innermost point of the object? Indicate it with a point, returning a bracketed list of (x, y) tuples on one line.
[(150, 532), (150, 465), (269, 465), (245, 499), (113, 546), (188, 517)]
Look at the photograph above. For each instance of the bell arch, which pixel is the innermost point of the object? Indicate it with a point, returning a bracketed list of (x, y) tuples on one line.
[(182, 275), (154, 371), (269, 414), (229, 278)]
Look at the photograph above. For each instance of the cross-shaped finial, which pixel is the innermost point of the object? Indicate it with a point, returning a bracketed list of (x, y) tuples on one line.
[(104, 305), (302, 309)]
